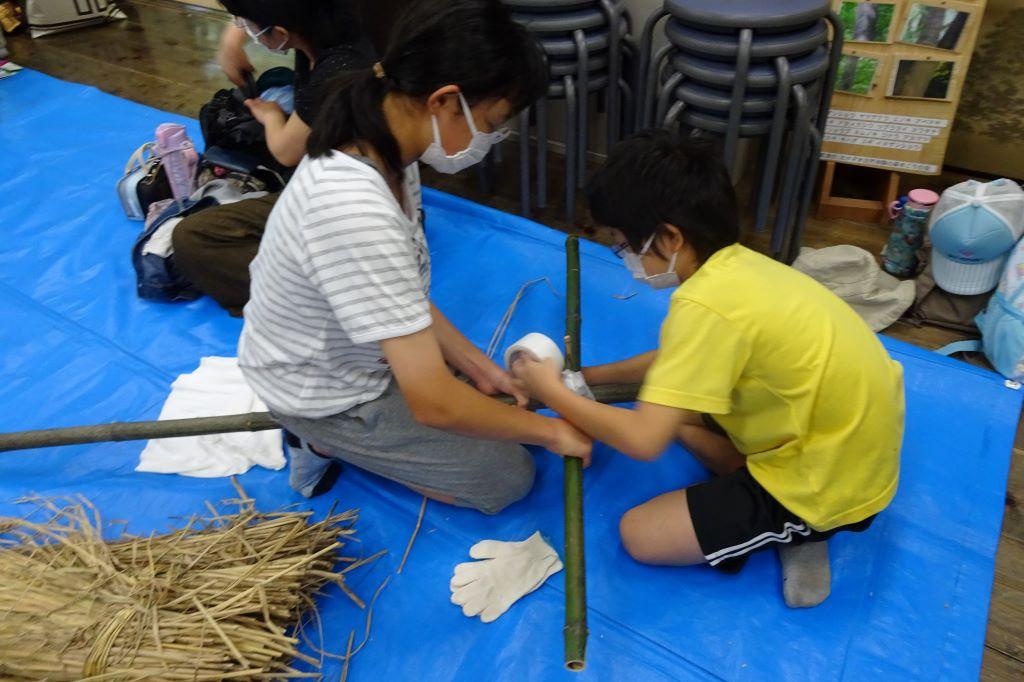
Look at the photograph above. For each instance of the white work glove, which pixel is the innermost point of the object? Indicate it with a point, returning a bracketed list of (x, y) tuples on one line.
[(506, 571), (575, 382)]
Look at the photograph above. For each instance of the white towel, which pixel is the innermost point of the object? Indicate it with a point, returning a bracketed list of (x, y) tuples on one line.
[(217, 388)]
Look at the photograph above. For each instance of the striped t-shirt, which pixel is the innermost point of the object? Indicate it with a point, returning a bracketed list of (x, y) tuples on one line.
[(340, 268)]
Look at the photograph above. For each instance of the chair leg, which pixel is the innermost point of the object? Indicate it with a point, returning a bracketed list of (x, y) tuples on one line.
[(666, 95), (631, 87), (613, 11), (524, 162), (771, 161), (570, 151), (835, 55), (542, 152), (672, 117), (644, 62), (813, 161), (739, 87), (649, 92), (787, 196), (627, 106), (582, 98)]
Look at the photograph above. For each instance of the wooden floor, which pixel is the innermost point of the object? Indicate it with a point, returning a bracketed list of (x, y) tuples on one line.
[(164, 56)]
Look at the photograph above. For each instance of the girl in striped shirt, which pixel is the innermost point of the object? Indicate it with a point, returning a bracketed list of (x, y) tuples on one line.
[(341, 339)]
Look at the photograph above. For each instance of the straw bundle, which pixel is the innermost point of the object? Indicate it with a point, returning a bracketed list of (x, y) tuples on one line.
[(217, 600)]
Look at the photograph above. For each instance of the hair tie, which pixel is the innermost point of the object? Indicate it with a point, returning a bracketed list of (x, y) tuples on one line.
[(378, 71)]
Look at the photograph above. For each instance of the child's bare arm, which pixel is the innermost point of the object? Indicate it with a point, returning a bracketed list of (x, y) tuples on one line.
[(642, 433), (628, 371), (286, 135)]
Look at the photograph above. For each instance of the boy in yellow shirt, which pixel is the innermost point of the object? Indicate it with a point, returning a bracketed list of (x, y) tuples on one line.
[(770, 380)]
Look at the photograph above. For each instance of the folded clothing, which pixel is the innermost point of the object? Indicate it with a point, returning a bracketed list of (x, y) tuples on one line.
[(216, 388)]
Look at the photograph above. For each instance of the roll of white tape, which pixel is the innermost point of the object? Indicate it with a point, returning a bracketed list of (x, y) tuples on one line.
[(538, 347)]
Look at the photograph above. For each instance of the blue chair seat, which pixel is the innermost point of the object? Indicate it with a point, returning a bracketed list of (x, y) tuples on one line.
[(701, 97), (760, 76), (750, 126), (561, 22), (548, 5), (560, 46), (713, 99), (767, 15), (764, 46), (564, 67)]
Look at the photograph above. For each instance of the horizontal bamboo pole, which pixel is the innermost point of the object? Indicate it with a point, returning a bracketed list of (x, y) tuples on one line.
[(204, 426)]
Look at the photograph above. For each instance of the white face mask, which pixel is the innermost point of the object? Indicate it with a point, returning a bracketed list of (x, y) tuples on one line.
[(255, 35), (665, 280), (438, 159)]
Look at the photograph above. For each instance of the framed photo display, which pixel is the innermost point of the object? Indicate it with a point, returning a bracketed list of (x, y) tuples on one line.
[(939, 25), (899, 81), (922, 79), (860, 71), (867, 21)]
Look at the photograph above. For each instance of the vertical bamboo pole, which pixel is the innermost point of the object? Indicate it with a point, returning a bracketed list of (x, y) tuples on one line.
[(575, 571)]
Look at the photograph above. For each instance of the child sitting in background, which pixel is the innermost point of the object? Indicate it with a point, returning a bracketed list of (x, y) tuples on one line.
[(766, 377)]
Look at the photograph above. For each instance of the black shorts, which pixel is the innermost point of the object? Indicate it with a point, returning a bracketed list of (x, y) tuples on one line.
[(734, 516)]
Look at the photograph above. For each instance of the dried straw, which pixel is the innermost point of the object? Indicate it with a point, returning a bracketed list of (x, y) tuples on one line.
[(415, 532), (216, 600)]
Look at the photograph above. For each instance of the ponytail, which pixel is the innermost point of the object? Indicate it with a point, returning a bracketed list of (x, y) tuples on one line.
[(473, 44), (353, 112)]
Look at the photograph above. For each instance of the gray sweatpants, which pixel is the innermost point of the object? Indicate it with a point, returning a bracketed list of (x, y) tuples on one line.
[(382, 437)]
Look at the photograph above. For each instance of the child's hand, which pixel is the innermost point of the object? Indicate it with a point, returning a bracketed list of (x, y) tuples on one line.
[(537, 377), (264, 111), (493, 379), (571, 442)]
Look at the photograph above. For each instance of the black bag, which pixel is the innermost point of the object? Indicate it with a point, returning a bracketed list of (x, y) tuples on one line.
[(226, 122), (244, 171), (144, 182)]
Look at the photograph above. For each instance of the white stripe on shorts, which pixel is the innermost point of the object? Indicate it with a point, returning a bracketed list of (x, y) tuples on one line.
[(786, 535)]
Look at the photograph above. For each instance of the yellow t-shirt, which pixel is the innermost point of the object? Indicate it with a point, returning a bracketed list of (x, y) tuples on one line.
[(799, 382)]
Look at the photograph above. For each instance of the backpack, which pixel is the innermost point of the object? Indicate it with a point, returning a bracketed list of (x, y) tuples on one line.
[(163, 169), (227, 123), (157, 277), (144, 182), (977, 220), (1002, 322)]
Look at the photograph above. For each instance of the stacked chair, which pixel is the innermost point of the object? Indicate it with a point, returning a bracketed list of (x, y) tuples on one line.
[(748, 68), (587, 43)]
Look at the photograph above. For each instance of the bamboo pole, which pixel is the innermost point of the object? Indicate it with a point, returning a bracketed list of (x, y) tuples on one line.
[(203, 426), (575, 571)]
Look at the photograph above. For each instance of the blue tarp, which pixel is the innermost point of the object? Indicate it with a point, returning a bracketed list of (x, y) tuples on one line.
[(909, 597)]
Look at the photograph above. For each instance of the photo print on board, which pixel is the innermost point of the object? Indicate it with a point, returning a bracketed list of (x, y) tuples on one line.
[(934, 26), (867, 22), (922, 79), (857, 73)]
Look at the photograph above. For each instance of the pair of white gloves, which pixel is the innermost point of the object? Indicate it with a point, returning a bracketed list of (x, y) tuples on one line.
[(504, 572)]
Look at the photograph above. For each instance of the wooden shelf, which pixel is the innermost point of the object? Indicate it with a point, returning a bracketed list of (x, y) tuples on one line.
[(849, 208)]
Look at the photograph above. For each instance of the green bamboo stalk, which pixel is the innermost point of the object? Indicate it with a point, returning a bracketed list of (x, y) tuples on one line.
[(203, 426), (575, 570)]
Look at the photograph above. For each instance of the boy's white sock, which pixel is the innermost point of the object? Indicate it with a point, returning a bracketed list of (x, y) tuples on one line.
[(806, 575)]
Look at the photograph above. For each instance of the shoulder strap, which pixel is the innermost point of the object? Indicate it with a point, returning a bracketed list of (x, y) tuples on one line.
[(960, 347), (139, 157)]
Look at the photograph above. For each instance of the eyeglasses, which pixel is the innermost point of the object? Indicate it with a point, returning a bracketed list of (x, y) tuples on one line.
[(619, 250), (250, 28)]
